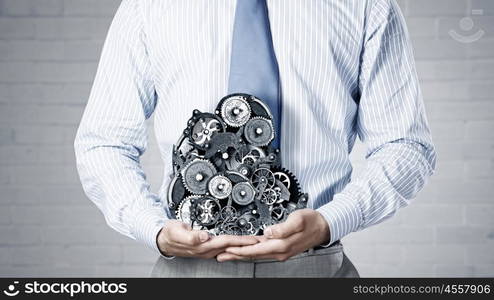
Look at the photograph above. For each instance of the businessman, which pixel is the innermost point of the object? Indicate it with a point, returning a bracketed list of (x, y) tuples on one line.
[(329, 70)]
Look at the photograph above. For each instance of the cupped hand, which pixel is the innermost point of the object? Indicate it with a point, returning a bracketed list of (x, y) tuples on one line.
[(302, 230), (179, 239)]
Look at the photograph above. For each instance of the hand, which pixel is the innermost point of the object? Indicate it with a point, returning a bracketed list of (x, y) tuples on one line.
[(179, 239), (302, 230)]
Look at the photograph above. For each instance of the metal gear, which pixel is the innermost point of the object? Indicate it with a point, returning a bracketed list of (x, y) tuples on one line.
[(243, 193), (205, 127), (259, 131), (220, 187), (235, 111), (288, 180), (196, 174), (206, 211), (263, 176), (227, 175), (183, 212), (269, 197), (228, 213)]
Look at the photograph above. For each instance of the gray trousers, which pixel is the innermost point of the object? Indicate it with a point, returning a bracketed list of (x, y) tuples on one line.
[(326, 262)]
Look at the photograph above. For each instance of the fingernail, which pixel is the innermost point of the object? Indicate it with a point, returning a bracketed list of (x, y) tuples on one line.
[(203, 236), (268, 232)]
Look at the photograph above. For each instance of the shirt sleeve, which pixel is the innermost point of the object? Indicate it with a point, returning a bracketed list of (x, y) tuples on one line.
[(112, 133), (391, 122)]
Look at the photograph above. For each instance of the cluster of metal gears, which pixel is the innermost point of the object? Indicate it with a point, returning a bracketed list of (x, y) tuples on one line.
[(227, 176)]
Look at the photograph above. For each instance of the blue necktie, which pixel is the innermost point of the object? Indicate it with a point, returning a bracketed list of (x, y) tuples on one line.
[(253, 65)]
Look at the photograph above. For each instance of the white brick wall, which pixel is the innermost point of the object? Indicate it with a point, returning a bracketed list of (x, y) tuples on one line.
[(48, 56)]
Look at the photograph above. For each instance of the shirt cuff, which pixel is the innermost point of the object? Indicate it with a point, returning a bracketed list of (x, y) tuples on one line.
[(343, 215), (147, 226)]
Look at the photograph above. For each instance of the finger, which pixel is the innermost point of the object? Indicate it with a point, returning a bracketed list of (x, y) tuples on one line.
[(220, 243), (268, 247), (233, 240), (186, 236), (228, 257), (293, 224)]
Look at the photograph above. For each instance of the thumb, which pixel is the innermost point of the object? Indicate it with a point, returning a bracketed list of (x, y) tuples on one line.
[(185, 235), (197, 237), (292, 225)]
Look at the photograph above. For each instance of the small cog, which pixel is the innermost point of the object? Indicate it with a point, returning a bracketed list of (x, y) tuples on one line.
[(259, 131), (196, 174), (220, 186), (183, 212), (235, 111), (206, 211), (243, 193)]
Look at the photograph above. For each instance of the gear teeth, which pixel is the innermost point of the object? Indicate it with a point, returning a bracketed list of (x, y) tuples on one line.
[(229, 123), (272, 130), (187, 165), (294, 179)]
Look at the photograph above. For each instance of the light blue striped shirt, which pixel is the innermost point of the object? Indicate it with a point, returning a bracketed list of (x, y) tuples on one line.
[(346, 69)]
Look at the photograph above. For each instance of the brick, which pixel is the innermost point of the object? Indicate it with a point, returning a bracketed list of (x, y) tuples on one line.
[(454, 270), (465, 191), (43, 175), (19, 195), (35, 135), (49, 93), (91, 7), (474, 111), (32, 8), (483, 270), (428, 48), (26, 214), (479, 215), (71, 215), (482, 48), (449, 151), (446, 169), (464, 234), (447, 130), (482, 169), (390, 254), (81, 235), (62, 195), (46, 114), (439, 7), (5, 218), (12, 155), (4, 257), (72, 28), (487, 6), (80, 255), (35, 255), (40, 72), (16, 28), (433, 214), (435, 254), (19, 235), (436, 70), (413, 270), (480, 130), (124, 270), (31, 50), (479, 254), (422, 27), (82, 50), (402, 234), (138, 254), (6, 136)]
